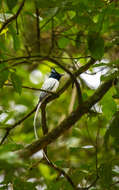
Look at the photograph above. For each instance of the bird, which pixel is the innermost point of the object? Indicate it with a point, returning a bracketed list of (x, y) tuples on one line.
[(50, 84)]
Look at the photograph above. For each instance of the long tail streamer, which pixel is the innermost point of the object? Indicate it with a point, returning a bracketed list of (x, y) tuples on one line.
[(36, 115), (35, 118)]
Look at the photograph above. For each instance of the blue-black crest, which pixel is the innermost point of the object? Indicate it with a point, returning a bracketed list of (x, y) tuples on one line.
[(55, 74)]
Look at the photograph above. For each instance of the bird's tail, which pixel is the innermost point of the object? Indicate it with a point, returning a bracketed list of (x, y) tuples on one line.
[(36, 115), (35, 118)]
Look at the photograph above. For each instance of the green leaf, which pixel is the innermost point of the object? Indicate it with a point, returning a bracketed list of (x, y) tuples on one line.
[(15, 36), (56, 186), (78, 39), (113, 129), (83, 20), (75, 149), (96, 45), (49, 3), (25, 185), (108, 105), (11, 3), (43, 4), (16, 81), (81, 6), (105, 173), (61, 163), (4, 187), (10, 147), (2, 47), (3, 74), (0, 3), (106, 138), (45, 171), (114, 126), (63, 42), (117, 86)]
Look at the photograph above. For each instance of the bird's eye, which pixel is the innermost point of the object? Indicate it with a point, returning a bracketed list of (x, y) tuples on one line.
[(53, 71)]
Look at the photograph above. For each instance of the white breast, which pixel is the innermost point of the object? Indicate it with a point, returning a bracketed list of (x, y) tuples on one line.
[(56, 84), (50, 84)]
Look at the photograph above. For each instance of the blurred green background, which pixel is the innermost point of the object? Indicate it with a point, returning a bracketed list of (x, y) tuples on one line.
[(70, 32)]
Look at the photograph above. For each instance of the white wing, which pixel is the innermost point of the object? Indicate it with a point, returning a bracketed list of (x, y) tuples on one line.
[(50, 84)]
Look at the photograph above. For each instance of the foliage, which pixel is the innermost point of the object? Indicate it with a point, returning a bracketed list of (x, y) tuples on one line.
[(66, 34)]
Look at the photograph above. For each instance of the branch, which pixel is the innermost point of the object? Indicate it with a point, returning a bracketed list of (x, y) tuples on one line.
[(46, 157), (69, 121), (49, 19), (35, 89), (50, 98), (41, 56), (14, 64), (13, 17), (44, 124), (62, 172), (43, 120), (8, 129)]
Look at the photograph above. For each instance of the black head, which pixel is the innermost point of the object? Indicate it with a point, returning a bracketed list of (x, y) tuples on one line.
[(55, 74)]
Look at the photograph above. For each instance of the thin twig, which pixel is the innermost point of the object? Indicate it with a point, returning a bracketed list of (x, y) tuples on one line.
[(41, 56), (14, 64), (96, 147), (96, 152), (93, 183), (12, 17), (46, 157), (8, 129), (49, 20), (17, 27), (116, 182), (37, 26), (5, 136), (61, 171), (32, 88)]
